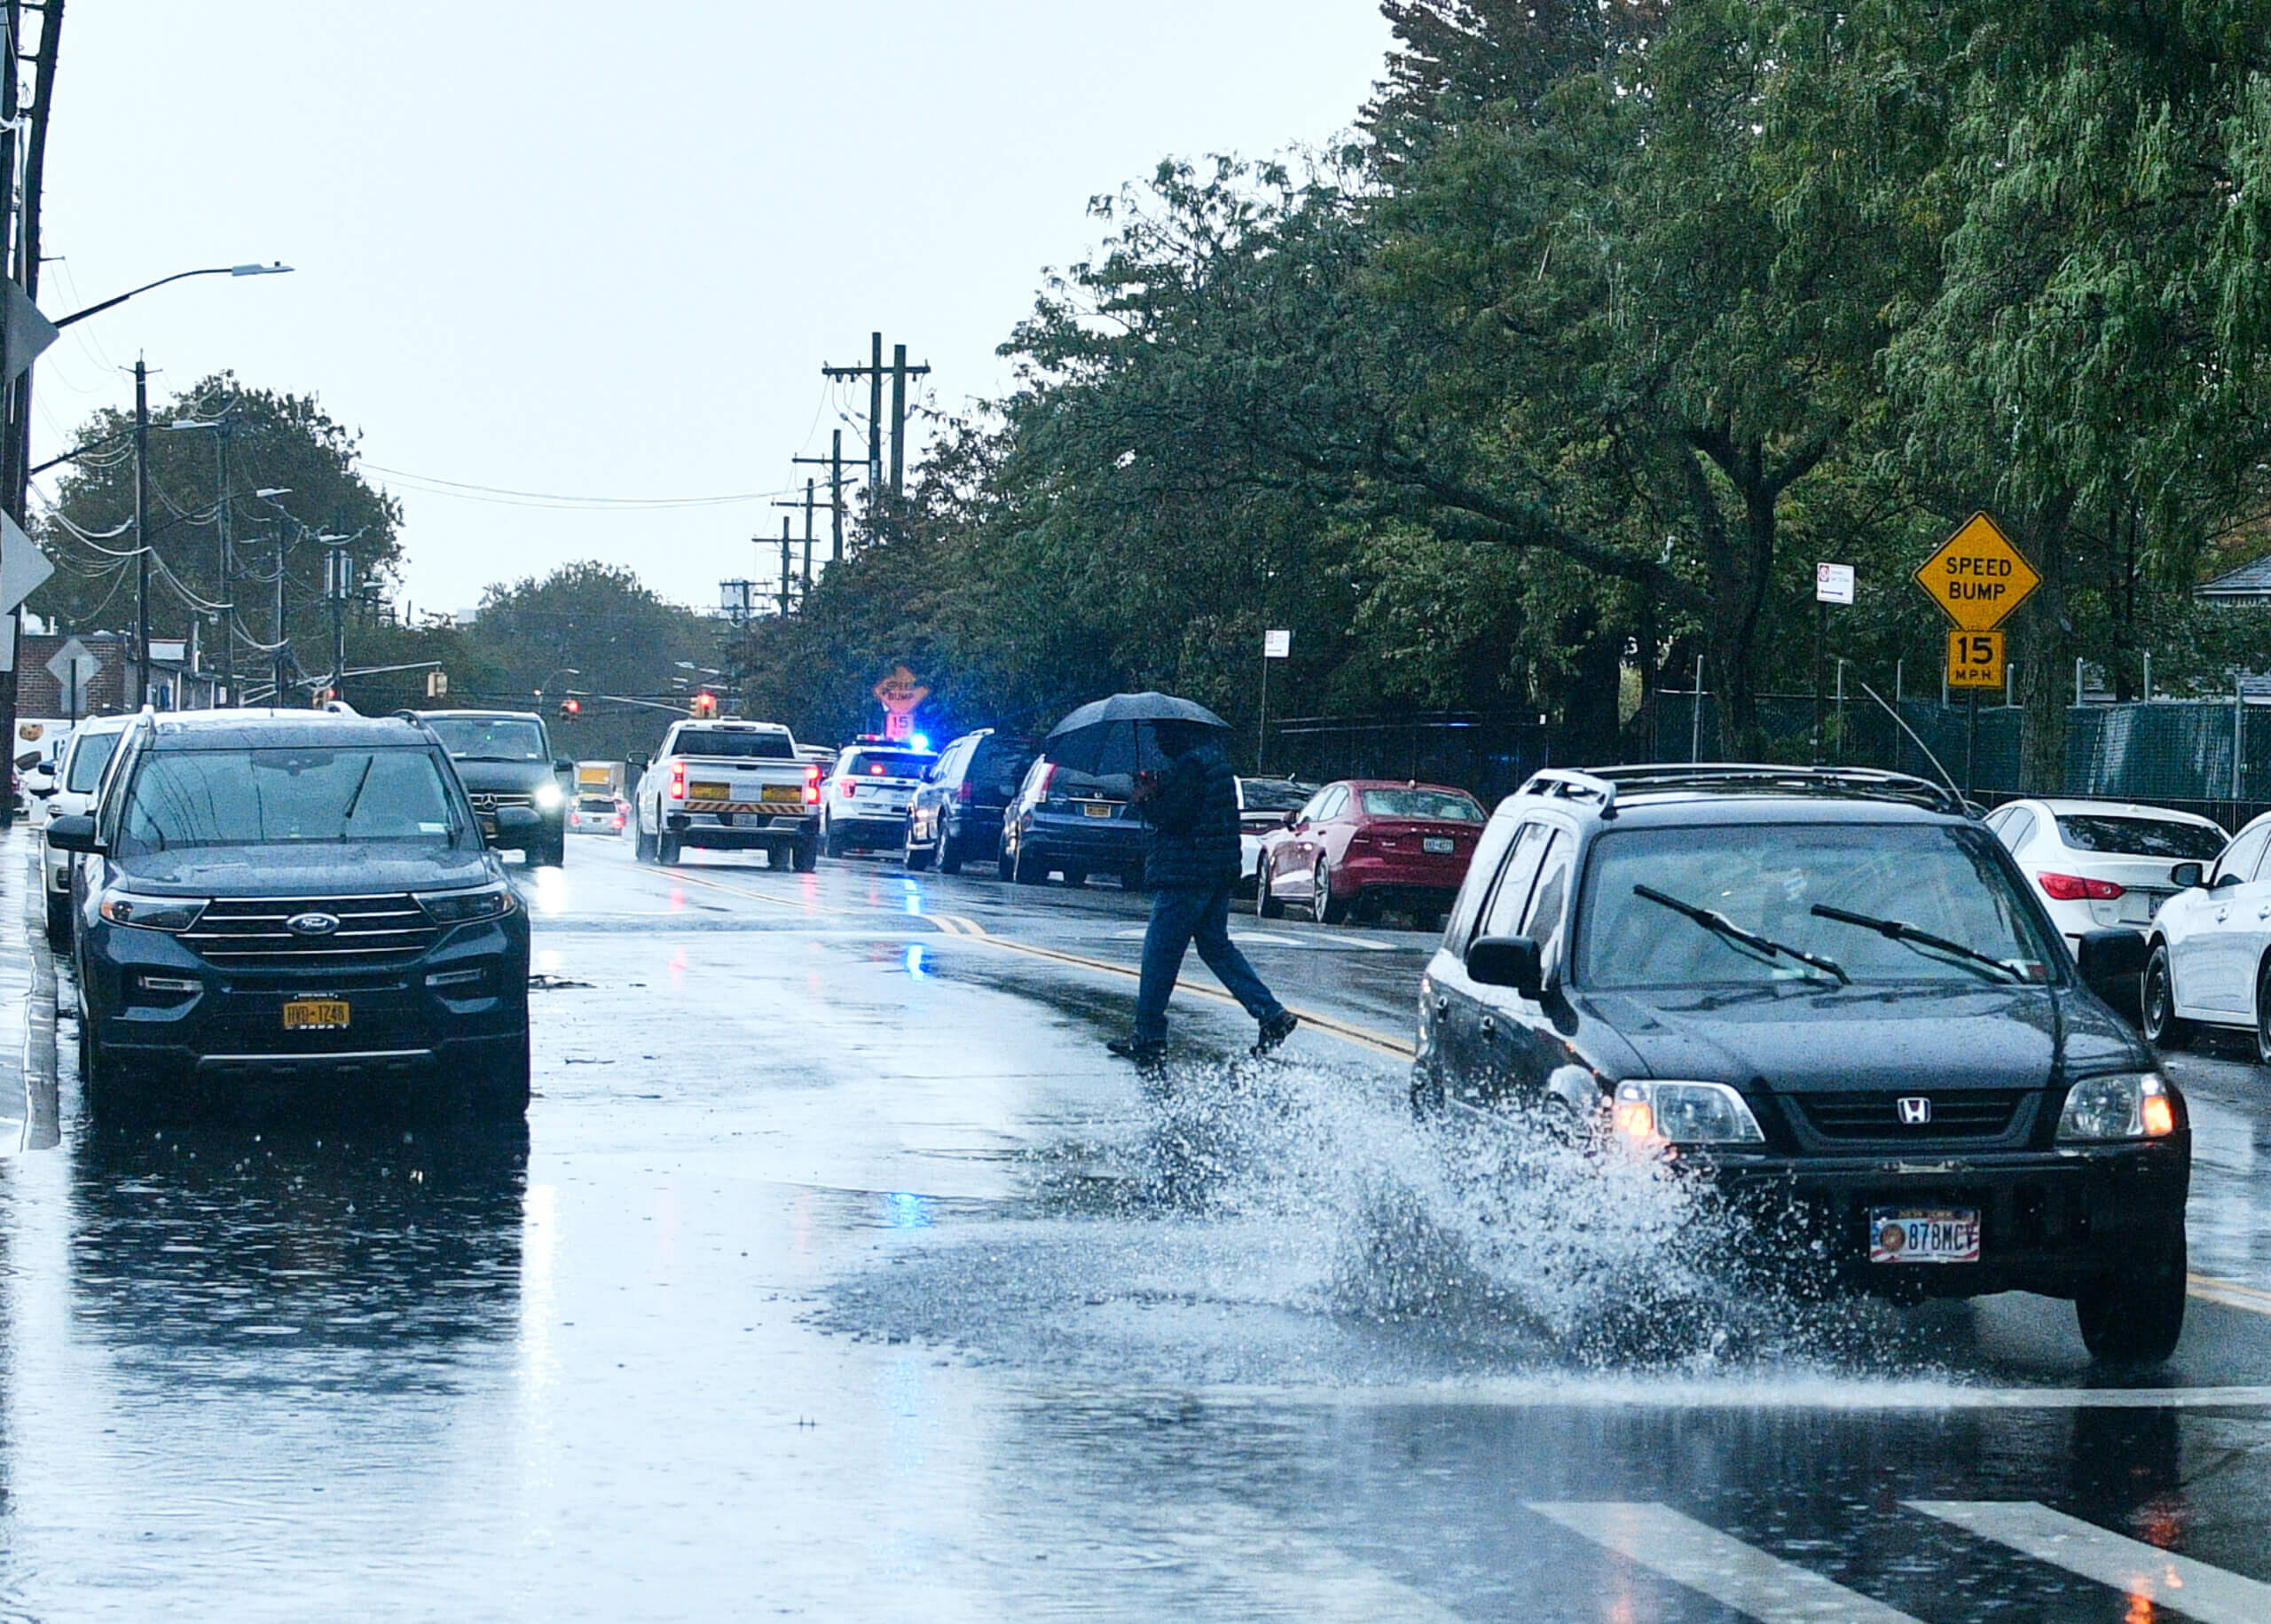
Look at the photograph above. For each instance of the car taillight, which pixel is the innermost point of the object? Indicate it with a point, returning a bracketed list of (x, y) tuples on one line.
[(965, 795), (1047, 777), (812, 786), (677, 781), (2073, 887), (1361, 837)]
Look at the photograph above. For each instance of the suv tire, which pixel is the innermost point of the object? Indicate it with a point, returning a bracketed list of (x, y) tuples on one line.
[(920, 857), (832, 841), (499, 1088), (950, 853), (2163, 1028), (1031, 869), (2135, 1315), (553, 853), (58, 922)]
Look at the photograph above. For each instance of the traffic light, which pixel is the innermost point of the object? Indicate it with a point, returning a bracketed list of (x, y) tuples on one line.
[(704, 707), (571, 708)]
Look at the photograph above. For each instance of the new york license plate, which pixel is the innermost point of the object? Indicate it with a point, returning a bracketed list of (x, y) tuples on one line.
[(1437, 844), (1920, 1234), (1097, 808), (316, 1015)]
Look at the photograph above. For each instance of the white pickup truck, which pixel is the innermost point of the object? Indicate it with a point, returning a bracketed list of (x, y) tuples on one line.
[(732, 785)]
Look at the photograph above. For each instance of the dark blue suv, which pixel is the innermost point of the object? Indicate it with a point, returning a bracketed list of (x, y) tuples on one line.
[(288, 897)]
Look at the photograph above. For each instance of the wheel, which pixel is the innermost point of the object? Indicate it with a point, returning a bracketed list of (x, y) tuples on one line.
[(2263, 1014), (58, 922), (2135, 1315), (805, 857), (552, 854), (1005, 863), (1075, 878), (499, 1089), (920, 857), (666, 846), (1325, 907), (1267, 903), (831, 842), (2163, 1027), (642, 843), (949, 854), (1032, 868)]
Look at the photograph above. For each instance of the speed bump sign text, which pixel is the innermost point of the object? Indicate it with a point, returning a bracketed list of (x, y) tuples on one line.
[(1978, 577)]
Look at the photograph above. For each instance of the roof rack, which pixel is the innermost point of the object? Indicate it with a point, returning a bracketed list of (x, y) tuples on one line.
[(1760, 778), (1567, 784)]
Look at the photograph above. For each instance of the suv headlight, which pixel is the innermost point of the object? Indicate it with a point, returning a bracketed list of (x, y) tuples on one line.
[(549, 797), (457, 907), (1684, 1114), (151, 912), (2124, 1105)]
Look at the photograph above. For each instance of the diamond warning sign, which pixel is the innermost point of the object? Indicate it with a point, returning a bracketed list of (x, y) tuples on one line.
[(1977, 576)]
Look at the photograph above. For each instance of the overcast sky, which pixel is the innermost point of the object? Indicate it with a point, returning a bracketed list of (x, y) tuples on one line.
[(602, 251)]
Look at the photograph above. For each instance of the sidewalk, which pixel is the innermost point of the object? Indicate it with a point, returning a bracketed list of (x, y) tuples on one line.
[(27, 1105)]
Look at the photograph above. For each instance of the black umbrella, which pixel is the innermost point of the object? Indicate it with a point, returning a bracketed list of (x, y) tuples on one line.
[(1120, 735)]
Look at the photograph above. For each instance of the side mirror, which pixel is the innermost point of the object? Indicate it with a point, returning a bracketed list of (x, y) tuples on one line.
[(517, 827), (2184, 876), (1292, 820), (561, 764), (2111, 961), (74, 834), (1508, 961)]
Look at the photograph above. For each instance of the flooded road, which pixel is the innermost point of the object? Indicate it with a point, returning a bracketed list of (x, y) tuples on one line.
[(840, 1273)]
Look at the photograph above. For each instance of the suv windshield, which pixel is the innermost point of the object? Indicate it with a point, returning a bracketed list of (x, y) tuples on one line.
[(88, 760), (247, 797), (1768, 880), (733, 744), (1442, 806), (491, 738), (2140, 836)]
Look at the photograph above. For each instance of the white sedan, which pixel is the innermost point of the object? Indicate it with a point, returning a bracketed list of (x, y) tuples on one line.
[(2211, 947), (2102, 864)]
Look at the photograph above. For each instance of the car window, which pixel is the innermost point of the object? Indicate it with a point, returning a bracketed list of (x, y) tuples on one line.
[(2241, 857), (733, 744), (2014, 829), (1333, 804), (999, 763), (1496, 840), (491, 738), (2132, 836), (884, 764), (1542, 920), (1768, 880), (1440, 806), (90, 753), (1504, 915), (285, 794), (1275, 795)]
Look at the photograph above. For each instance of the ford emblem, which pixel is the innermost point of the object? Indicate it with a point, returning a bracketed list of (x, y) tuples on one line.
[(311, 924)]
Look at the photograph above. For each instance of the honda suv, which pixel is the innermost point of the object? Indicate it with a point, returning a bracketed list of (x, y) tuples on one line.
[(1833, 994), (284, 895)]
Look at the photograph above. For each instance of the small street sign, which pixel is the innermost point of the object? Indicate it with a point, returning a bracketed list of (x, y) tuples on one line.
[(1833, 583), (1978, 577), (24, 333), (1975, 659), (899, 693), (74, 667), (1277, 645), (22, 565), (437, 685)]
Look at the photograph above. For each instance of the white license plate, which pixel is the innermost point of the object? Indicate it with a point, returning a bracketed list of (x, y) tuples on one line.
[(1923, 1234), (1439, 846)]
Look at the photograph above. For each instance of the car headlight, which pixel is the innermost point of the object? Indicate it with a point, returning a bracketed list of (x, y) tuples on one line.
[(549, 797), (151, 912), (2124, 1105), (1653, 1112), (457, 907)]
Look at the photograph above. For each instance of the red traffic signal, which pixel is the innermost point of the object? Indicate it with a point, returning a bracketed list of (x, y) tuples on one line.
[(571, 708), (702, 706)]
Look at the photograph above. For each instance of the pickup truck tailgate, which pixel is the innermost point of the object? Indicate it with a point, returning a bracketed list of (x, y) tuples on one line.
[(717, 784)]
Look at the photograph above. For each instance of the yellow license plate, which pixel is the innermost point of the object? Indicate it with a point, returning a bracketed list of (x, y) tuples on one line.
[(709, 792), (1097, 809), (315, 1015), (782, 792)]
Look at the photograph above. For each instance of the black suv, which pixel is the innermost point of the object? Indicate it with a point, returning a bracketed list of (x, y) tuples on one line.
[(277, 895), (956, 814), (1832, 994), (506, 759)]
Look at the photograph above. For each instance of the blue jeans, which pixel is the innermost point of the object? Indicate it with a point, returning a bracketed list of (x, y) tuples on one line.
[(1178, 918)]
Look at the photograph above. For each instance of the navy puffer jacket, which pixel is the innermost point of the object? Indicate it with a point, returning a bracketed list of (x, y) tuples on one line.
[(1194, 822)]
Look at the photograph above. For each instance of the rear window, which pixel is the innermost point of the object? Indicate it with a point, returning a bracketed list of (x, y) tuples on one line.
[(1001, 763), (88, 761), (886, 764), (1440, 806), (1274, 795), (2140, 836), (734, 744)]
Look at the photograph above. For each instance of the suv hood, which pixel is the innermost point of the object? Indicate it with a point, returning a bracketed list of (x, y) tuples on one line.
[(506, 777), (1799, 1042), (307, 869)]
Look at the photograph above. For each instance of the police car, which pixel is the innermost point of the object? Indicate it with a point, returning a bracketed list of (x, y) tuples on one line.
[(863, 805)]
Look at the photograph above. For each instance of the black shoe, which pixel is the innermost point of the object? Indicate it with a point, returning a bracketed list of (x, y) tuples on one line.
[(1276, 1030), (1143, 1052)]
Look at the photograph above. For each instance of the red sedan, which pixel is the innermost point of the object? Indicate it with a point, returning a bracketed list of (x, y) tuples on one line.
[(1364, 844)]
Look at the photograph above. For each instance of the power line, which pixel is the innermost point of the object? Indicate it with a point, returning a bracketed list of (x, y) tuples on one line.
[(436, 486)]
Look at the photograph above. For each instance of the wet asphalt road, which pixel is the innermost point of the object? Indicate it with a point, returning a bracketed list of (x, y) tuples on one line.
[(840, 1273)]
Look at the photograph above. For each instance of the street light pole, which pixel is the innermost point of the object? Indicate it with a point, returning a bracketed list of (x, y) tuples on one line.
[(277, 270)]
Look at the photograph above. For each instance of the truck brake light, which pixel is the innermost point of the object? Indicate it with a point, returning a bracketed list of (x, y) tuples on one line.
[(677, 781), (812, 786)]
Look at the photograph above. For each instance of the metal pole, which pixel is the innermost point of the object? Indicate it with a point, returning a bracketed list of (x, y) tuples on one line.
[(897, 420), (1899, 671), (1695, 718), (2149, 675), (875, 419), (1840, 708), (141, 533), (341, 566), (784, 565), (836, 493), (1970, 741), (227, 593), (808, 535), (283, 659), (2078, 679), (1261, 728), (2239, 730), (1820, 640)]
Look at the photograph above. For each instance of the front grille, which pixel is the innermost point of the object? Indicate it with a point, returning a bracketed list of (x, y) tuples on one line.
[(486, 802), (1983, 1113), (249, 933)]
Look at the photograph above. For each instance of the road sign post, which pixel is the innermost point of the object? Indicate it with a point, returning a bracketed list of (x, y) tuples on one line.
[(1977, 579), (74, 667), (1832, 583), (1276, 644)]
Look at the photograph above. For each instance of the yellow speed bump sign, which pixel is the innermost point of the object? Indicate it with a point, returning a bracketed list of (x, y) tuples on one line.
[(1978, 577), (1975, 659)]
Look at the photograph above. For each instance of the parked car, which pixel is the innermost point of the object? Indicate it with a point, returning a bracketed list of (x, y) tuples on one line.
[(956, 814), (1262, 806), (1075, 824), (504, 758), (300, 898), (863, 805), (2210, 946), (2098, 864), (1364, 844), (1832, 994), (72, 792)]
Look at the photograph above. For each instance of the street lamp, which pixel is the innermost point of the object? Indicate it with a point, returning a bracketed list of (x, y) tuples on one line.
[(277, 270)]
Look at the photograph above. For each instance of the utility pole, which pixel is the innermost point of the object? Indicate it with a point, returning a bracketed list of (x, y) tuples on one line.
[(283, 673), (142, 532), (834, 463), (784, 568), (338, 581), (901, 371), (808, 536), (227, 594), (899, 420)]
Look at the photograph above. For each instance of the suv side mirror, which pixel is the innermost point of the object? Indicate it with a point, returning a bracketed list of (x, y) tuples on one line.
[(72, 834), (2184, 876), (561, 764), (516, 828), (1292, 820), (1510, 961)]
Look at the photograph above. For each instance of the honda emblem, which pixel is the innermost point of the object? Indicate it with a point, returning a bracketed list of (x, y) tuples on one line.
[(1915, 1111)]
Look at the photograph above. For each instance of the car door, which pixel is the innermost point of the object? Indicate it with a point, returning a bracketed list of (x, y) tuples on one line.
[(2212, 965), (1288, 854), (1473, 1019)]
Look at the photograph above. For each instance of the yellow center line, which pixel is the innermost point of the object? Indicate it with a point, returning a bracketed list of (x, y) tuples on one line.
[(2229, 1293)]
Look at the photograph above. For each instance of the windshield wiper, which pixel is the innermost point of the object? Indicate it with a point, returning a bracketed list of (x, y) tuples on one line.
[(515, 760), (1719, 924), (1900, 931), (348, 816)]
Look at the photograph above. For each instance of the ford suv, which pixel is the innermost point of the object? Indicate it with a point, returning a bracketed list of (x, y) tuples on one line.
[(284, 896), (1834, 994)]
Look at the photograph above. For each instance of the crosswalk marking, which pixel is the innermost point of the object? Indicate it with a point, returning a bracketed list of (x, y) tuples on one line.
[(2180, 1584), (1719, 1565)]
